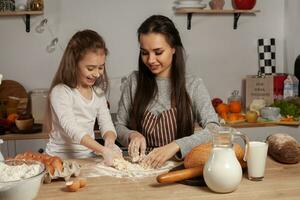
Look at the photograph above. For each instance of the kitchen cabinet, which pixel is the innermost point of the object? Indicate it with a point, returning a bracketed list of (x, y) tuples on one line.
[(27, 15), (236, 14)]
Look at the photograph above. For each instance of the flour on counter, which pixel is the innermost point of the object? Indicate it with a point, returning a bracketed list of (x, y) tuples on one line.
[(124, 168), (18, 172)]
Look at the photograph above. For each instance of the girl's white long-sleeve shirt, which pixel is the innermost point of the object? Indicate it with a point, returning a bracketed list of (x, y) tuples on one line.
[(74, 116)]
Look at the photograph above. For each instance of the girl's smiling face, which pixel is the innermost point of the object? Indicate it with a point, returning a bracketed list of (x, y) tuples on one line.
[(91, 67), (156, 53)]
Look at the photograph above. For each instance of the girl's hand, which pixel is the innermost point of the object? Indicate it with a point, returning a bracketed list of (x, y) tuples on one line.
[(110, 155), (137, 146), (158, 156), (111, 145)]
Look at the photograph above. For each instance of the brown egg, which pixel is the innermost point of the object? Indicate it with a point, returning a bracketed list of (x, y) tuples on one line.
[(57, 163), (50, 168), (83, 182), (73, 186), (19, 156)]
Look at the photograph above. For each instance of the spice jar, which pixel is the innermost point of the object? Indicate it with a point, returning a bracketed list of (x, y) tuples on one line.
[(36, 5)]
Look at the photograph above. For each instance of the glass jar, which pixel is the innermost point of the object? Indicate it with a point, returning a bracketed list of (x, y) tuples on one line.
[(36, 5), (38, 104)]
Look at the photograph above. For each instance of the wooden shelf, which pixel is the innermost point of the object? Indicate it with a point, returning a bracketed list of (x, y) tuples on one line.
[(27, 15), (18, 13), (236, 13)]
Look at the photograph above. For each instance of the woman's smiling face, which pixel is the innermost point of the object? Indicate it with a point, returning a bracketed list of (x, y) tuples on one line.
[(156, 53)]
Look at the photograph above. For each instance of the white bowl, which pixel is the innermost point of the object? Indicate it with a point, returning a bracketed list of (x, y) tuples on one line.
[(23, 189), (24, 124), (270, 113)]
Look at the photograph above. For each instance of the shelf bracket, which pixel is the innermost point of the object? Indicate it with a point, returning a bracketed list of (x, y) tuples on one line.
[(27, 22), (236, 19), (189, 19)]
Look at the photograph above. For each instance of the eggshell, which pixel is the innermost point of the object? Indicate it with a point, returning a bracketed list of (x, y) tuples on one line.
[(83, 182), (73, 186)]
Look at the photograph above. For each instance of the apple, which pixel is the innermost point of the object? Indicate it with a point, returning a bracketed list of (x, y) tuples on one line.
[(216, 101), (243, 4), (251, 116)]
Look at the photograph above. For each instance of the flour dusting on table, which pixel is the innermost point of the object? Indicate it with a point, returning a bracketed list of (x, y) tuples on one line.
[(124, 168)]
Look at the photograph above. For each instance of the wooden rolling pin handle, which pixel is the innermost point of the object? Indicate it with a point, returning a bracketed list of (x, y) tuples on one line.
[(180, 175)]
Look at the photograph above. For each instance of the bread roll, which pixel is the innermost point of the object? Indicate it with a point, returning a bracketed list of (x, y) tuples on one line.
[(284, 148), (200, 154)]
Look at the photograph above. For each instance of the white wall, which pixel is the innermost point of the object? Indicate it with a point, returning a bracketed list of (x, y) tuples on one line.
[(220, 55), (292, 30)]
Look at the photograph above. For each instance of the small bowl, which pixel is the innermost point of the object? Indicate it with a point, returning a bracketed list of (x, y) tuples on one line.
[(23, 189), (24, 124), (270, 113)]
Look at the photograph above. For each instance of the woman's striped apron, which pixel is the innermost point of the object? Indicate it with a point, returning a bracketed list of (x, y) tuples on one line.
[(161, 129)]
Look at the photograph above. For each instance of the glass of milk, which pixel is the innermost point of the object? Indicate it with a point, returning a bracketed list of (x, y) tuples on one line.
[(256, 160)]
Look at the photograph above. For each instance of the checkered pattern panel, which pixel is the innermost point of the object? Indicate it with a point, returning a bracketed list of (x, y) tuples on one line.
[(266, 55)]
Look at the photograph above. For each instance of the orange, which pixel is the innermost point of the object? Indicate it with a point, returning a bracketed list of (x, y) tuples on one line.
[(12, 117), (222, 108), (235, 107), (224, 116), (233, 117)]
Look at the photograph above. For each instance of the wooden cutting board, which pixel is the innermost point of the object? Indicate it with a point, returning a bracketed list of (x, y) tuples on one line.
[(12, 88)]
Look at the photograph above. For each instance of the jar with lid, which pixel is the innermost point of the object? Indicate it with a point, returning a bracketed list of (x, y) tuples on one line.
[(36, 5), (38, 104), (235, 102)]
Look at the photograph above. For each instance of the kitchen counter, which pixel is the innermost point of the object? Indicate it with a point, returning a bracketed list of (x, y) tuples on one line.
[(281, 182)]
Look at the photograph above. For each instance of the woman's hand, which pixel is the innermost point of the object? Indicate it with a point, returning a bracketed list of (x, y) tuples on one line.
[(158, 156), (137, 146)]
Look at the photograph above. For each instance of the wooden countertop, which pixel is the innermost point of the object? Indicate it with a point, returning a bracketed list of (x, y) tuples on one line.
[(280, 182)]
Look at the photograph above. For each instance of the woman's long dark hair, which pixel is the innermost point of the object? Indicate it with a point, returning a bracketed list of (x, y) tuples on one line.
[(146, 83)]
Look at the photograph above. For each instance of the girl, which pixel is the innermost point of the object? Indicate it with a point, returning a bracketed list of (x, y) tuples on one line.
[(159, 103), (77, 97)]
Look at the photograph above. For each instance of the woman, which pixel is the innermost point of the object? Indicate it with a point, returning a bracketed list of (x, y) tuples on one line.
[(159, 103)]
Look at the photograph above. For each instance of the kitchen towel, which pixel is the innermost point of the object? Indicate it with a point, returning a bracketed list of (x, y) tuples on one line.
[(266, 54)]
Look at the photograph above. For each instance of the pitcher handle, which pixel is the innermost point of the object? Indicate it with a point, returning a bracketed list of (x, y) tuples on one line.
[(246, 140)]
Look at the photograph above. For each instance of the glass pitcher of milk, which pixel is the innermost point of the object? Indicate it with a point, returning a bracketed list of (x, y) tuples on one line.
[(222, 171)]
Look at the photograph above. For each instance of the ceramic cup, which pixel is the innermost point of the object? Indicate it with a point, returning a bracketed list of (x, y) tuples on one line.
[(256, 160)]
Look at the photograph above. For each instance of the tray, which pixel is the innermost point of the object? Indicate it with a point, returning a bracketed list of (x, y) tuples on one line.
[(36, 128)]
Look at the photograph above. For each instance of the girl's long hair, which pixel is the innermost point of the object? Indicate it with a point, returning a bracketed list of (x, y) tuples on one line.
[(79, 45), (146, 83)]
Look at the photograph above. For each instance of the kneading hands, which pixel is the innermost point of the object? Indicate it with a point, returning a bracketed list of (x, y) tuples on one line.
[(156, 158)]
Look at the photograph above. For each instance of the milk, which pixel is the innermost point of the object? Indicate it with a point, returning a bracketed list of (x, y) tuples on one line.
[(256, 160), (222, 172)]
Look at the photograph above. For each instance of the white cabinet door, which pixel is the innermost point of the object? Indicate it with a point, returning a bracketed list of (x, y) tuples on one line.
[(30, 145)]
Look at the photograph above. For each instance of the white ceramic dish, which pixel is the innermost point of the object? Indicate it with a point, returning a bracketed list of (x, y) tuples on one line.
[(270, 113), (189, 2), (200, 6), (24, 189)]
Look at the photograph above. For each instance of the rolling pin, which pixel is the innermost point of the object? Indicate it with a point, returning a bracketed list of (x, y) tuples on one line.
[(180, 175)]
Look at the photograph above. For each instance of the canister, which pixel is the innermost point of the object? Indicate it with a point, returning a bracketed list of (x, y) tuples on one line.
[(38, 104)]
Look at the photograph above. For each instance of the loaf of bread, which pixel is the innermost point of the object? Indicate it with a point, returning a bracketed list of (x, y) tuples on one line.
[(284, 148), (200, 154)]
